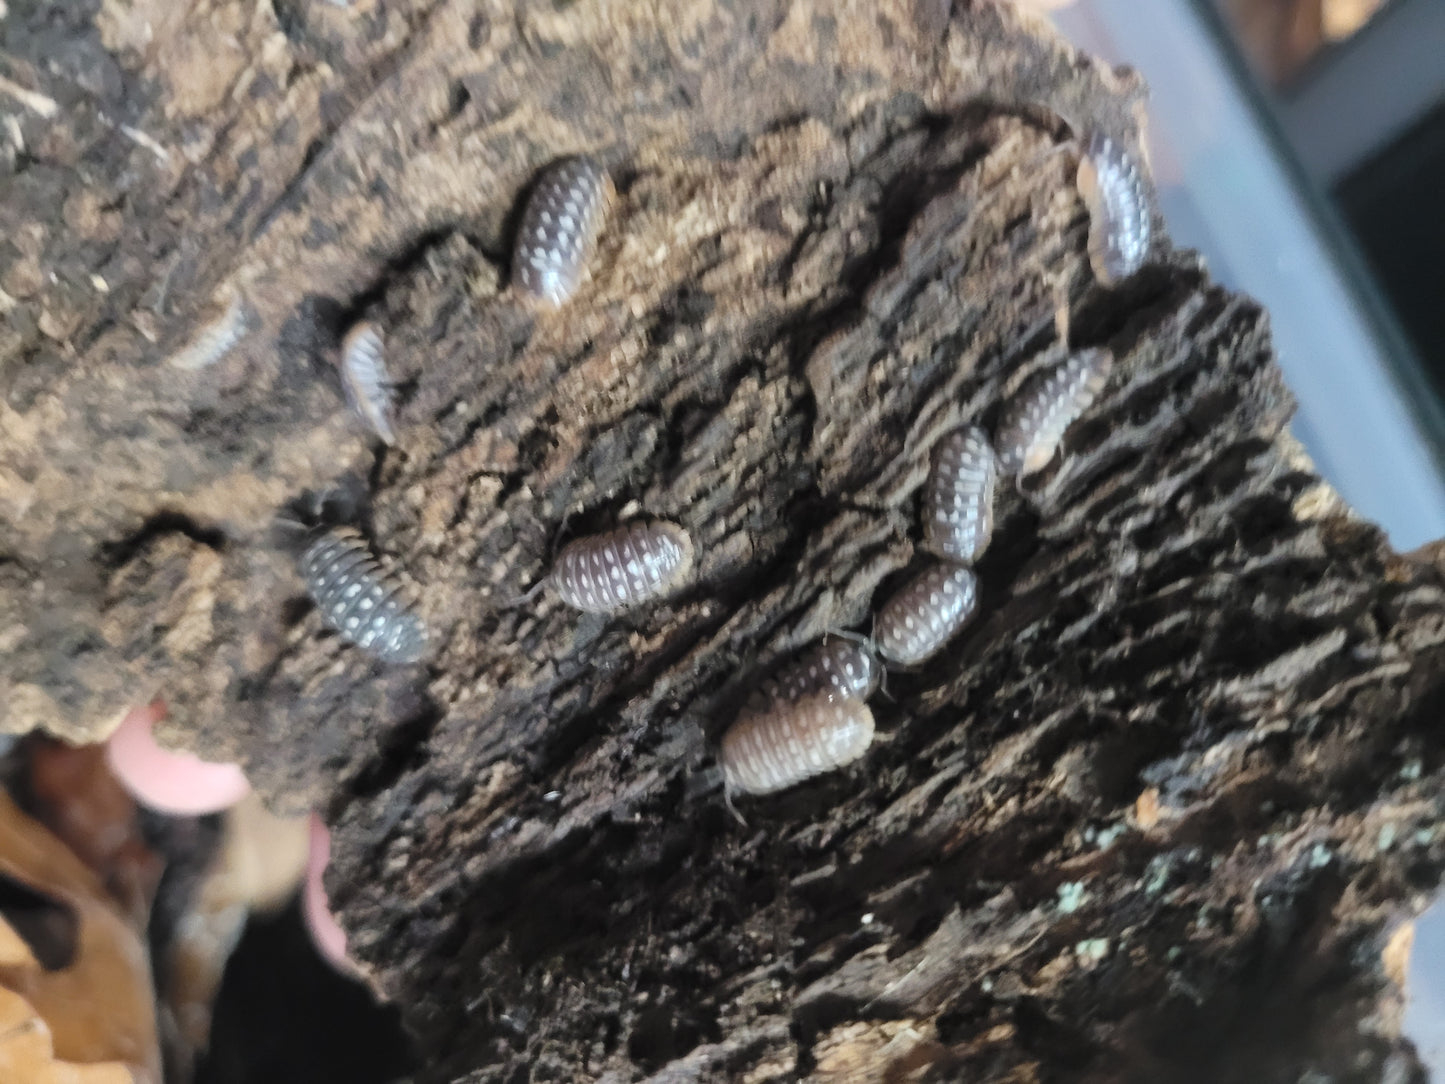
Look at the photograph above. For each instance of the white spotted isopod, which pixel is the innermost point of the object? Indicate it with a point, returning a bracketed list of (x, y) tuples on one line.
[(927, 612), (958, 514), (365, 382), (1034, 421), (841, 665), (559, 228), (792, 741), (613, 571), (359, 599), (1120, 222), (217, 338)]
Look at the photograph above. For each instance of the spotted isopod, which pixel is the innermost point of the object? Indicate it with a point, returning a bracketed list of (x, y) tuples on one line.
[(840, 665), (1034, 421), (958, 516), (365, 381), (1120, 223), (925, 614), (609, 572), (216, 339), (559, 229), (359, 599), (794, 740)]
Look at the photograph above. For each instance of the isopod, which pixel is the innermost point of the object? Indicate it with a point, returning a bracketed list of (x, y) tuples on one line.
[(958, 516), (1120, 222), (359, 599), (1034, 421), (794, 740), (365, 381), (217, 339), (842, 666), (925, 614), (559, 229), (613, 571)]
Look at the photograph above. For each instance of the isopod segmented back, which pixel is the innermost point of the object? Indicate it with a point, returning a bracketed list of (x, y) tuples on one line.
[(794, 740), (359, 599), (841, 666), (1034, 421), (1120, 220), (915, 623), (610, 572), (365, 380), (958, 513), (559, 229), (217, 338)]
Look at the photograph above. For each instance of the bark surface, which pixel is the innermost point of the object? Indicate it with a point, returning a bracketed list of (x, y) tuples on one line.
[(1156, 815)]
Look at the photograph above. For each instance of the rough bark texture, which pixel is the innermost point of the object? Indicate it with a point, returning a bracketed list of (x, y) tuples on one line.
[(1152, 817)]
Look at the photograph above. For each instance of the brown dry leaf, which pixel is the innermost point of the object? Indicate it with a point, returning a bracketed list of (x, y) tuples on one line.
[(26, 1052), (262, 857), (92, 814), (98, 1012)]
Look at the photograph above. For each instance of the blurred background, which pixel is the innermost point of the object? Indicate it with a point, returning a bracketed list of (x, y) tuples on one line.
[(1300, 146)]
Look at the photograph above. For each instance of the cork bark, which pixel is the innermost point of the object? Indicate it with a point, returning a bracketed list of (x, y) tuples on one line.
[(1157, 814)]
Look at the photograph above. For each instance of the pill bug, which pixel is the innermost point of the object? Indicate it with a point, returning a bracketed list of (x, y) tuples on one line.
[(1120, 223), (842, 665), (618, 569), (559, 228), (793, 740), (365, 382), (958, 514), (216, 339), (359, 599), (925, 614), (1034, 421)]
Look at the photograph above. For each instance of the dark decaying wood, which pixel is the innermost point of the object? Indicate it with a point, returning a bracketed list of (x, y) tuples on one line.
[(1153, 815)]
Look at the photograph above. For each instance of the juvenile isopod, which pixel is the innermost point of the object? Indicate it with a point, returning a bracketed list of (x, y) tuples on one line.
[(925, 614), (365, 381), (559, 229), (843, 666), (216, 339), (1035, 420), (610, 572), (794, 740), (359, 599), (958, 514), (1120, 223)]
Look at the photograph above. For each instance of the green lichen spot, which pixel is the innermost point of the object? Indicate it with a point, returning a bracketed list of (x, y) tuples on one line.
[(1092, 950), (1072, 894)]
